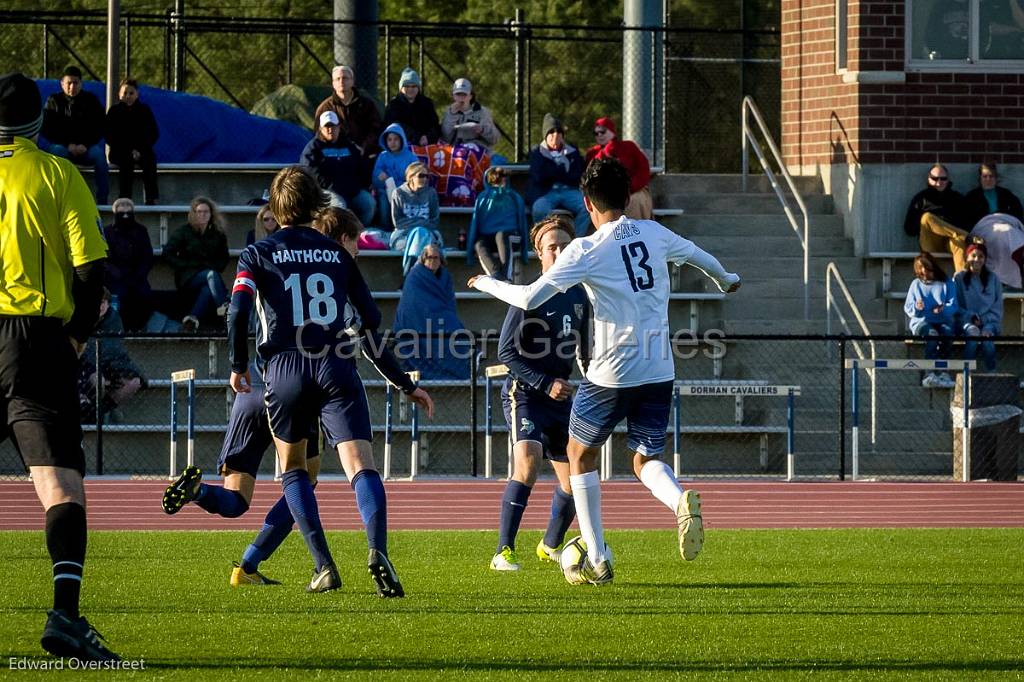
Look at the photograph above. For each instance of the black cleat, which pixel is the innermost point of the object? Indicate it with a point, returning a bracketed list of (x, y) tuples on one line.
[(182, 491), (324, 580), (384, 575), (69, 638)]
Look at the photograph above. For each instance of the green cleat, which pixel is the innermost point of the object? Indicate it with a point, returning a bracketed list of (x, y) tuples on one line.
[(505, 560), (183, 490), (549, 554), (691, 525)]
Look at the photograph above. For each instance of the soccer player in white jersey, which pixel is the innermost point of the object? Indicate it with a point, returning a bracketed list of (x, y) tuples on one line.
[(623, 267)]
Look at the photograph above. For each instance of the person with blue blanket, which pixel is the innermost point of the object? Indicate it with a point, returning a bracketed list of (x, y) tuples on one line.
[(498, 215), (427, 306)]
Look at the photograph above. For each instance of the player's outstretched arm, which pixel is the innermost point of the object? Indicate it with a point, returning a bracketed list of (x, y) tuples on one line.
[(525, 296), (726, 281), (422, 398)]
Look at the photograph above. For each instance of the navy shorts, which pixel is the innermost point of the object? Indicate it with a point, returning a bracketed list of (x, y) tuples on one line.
[(248, 436), (531, 415), (300, 387), (596, 411)]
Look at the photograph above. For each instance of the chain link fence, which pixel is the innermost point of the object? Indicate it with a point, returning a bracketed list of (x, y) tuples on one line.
[(732, 414), (520, 71)]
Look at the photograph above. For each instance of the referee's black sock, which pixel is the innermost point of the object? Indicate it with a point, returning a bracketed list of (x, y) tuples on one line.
[(65, 539)]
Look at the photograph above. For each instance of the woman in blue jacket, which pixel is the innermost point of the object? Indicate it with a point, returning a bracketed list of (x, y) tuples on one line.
[(932, 310), (499, 214)]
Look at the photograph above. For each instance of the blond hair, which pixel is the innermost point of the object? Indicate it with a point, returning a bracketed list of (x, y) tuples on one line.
[(414, 168), (216, 219)]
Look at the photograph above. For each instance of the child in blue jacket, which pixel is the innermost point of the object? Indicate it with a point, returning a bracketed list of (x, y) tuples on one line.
[(499, 214), (391, 163), (931, 309)]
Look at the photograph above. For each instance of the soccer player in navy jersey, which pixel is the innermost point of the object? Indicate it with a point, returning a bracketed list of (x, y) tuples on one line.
[(247, 439), (538, 347), (623, 266), (299, 282)]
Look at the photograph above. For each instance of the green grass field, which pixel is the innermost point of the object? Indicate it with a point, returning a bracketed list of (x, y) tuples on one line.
[(854, 604)]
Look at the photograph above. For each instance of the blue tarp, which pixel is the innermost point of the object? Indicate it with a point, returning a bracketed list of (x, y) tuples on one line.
[(195, 129)]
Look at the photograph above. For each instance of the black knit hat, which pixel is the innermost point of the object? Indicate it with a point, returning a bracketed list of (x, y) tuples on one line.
[(21, 108), (552, 122)]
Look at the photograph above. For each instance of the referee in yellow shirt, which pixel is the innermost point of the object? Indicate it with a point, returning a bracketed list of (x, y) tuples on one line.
[(51, 279)]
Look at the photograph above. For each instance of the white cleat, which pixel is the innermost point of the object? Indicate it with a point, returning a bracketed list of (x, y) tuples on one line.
[(691, 525)]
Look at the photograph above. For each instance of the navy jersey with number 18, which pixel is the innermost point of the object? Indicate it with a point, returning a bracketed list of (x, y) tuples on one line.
[(301, 281)]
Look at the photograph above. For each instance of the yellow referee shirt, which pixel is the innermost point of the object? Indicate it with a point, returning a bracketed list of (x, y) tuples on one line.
[(49, 225)]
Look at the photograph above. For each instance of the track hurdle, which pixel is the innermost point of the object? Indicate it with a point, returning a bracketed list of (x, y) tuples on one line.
[(738, 390), (187, 377), (490, 374), (389, 428), (964, 366)]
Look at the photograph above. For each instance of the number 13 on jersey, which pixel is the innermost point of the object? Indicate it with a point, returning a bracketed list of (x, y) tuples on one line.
[(635, 257)]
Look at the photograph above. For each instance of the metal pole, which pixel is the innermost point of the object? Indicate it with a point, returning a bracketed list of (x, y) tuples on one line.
[(99, 412), (966, 476), (174, 429), (855, 427), (177, 26), (127, 47), (46, 50), (190, 455), (842, 409), (113, 49), (790, 438), (677, 430), (386, 89), (488, 430), (422, 55), (167, 49), (520, 64), (388, 428), (472, 406), (288, 57), (414, 448)]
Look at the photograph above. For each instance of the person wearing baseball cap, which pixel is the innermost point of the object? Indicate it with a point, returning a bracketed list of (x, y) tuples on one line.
[(357, 113), (413, 110), (338, 166), (466, 121), (51, 282), (608, 145)]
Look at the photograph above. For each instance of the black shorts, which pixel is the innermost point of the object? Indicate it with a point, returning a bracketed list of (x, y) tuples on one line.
[(39, 392), (531, 415), (300, 387), (248, 437)]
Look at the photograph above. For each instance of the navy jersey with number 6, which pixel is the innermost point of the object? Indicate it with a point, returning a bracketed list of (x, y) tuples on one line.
[(301, 281)]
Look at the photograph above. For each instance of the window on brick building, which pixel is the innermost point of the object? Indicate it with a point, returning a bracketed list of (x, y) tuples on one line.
[(842, 25), (965, 34)]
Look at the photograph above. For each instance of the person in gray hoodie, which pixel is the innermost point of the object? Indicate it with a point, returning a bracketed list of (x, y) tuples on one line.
[(980, 297), (414, 204)]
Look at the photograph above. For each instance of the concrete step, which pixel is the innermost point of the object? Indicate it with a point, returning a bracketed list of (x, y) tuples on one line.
[(768, 266), (736, 202), (725, 245), (711, 182), (794, 326), (696, 225)]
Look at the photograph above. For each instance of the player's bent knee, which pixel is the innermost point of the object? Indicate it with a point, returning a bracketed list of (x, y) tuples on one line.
[(241, 483)]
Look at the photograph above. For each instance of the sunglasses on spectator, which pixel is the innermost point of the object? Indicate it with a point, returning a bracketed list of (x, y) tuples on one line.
[(600, 131), (431, 258), (940, 178), (422, 175)]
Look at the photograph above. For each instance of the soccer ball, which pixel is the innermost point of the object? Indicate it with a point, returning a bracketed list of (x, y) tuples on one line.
[(574, 553)]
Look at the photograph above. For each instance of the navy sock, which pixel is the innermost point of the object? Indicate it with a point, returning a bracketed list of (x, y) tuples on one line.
[(373, 508), (218, 500), (513, 504), (276, 527), (65, 540), (563, 511), (302, 504)]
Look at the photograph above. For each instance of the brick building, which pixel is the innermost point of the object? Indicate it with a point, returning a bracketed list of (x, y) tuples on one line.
[(874, 92)]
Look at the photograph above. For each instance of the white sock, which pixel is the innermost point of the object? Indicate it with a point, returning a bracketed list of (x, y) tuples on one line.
[(586, 492), (661, 481)]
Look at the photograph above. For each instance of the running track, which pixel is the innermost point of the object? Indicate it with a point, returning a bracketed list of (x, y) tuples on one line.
[(461, 504)]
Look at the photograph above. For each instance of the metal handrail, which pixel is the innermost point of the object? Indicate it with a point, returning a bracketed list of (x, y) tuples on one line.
[(748, 138), (832, 273)]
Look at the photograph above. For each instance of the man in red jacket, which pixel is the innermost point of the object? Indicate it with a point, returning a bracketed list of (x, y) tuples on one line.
[(632, 157)]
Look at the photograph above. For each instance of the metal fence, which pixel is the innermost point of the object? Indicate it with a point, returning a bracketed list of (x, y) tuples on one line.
[(519, 70), (732, 414)]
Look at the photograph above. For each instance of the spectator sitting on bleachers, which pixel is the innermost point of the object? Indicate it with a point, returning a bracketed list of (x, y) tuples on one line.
[(499, 213), (935, 215), (391, 163), (357, 114), (129, 260), (427, 306), (413, 110), (466, 120), (931, 310), (337, 165), (73, 125), (266, 225), (131, 134), (980, 299), (414, 204), (555, 171), (608, 145), (122, 378), (198, 253), (988, 198)]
